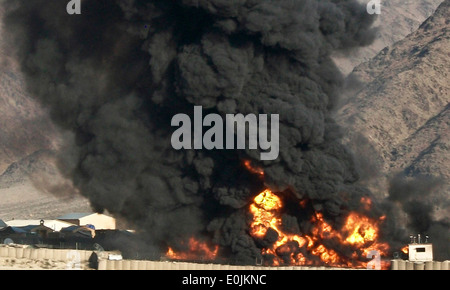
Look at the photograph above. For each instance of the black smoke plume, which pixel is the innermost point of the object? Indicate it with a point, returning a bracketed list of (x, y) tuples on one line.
[(115, 75), (417, 198)]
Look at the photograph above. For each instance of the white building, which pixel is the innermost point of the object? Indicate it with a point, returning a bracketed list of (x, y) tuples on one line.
[(420, 252)]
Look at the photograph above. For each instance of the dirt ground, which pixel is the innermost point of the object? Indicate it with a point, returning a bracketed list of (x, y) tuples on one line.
[(26, 202)]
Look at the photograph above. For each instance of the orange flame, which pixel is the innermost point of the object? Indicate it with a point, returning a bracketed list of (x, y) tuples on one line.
[(359, 234), (252, 169), (405, 249), (197, 251), (264, 209), (366, 203)]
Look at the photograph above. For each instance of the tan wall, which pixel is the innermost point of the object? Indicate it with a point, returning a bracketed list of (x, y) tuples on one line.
[(100, 221), (407, 265), (63, 255), (156, 265), (78, 256)]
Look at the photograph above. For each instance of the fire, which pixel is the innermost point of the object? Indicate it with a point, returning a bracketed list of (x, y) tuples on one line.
[(265, 210), (347, 244), (197, 251), (366, 203), (360, 228), (405, 249), (358, 236), (256, 170)]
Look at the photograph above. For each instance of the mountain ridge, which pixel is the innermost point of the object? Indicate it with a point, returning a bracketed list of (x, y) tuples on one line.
[(399, 114), (396, 21)]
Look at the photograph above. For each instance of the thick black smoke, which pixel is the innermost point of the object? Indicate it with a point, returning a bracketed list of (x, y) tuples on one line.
[(416, 197), (116, 74)]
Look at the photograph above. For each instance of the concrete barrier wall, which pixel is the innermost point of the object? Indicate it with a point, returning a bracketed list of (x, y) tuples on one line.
[(62, 255), (156, 265), (407, 265), (81, 256)]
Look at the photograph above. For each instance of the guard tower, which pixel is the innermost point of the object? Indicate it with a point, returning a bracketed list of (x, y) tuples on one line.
[(419, 250)]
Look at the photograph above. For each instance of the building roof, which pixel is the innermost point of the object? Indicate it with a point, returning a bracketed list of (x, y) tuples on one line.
[(75, 228), (33, 228), (95, 220), (25, 229), (12, 230), (74, 216), (55, 225)]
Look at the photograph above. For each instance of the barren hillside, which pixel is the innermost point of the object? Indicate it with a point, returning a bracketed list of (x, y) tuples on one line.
[(397, 20), (24, 124), (400, 111), (27, 137)]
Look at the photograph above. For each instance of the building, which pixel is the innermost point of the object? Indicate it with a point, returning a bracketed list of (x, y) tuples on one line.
[(25, 234), (94, 220), (419, 251), (40, 230), (55, 225)]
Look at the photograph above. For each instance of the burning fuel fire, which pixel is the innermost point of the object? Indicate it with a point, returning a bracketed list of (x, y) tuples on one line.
[(358, 236), (197, 251)]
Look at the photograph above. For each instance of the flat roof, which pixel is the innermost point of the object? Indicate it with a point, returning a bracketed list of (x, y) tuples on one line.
[(74, 216)]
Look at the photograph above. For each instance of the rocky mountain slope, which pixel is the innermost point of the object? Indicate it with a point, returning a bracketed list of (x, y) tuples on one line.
[(27, 138), (399, 112), (24, 124), (396, 21)]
